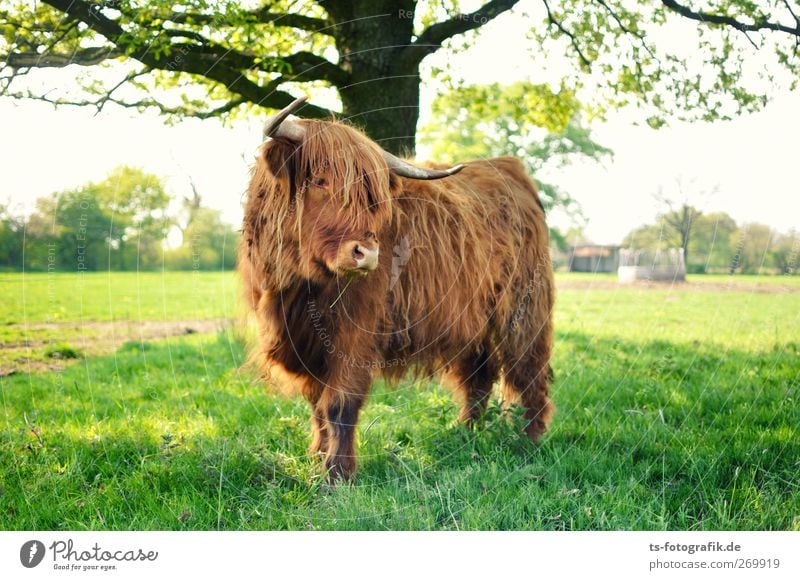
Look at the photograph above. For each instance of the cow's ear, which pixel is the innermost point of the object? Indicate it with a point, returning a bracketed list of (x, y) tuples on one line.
[(280, 159)]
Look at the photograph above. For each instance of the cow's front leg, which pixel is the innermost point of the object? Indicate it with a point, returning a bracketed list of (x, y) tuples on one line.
[(341, 410), (312, 391)]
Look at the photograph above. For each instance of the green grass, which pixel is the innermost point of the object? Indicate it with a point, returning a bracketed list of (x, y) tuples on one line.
[(793, 281), (677, 410), (62, 350), (693, 279), (110, 296), (40, 310)]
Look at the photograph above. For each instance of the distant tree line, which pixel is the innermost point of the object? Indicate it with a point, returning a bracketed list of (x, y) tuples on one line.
[(123, 223), (119, 223), (715, 243)]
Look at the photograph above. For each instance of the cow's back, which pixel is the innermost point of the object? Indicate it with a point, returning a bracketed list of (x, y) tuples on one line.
[(465, 248)]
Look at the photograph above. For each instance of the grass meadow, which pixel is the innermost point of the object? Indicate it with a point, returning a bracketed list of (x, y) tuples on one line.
[(123, 407)]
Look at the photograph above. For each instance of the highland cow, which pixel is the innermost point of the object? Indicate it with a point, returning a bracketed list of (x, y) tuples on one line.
[(358, 264)]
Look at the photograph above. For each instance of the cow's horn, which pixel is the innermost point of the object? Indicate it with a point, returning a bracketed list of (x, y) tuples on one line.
[(405, 169), (276, 128)]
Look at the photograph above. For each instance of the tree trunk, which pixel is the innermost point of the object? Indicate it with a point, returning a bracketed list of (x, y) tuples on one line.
[(381, 97), (389, 115), (685, 246)]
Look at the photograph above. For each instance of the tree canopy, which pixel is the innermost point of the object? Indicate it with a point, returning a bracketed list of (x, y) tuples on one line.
[(541, 126), (209, 58)]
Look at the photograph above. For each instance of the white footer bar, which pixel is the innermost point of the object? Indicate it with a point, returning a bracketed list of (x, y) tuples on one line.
[(409, 555)]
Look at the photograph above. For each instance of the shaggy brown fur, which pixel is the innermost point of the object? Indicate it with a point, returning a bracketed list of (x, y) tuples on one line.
[(464, 283)]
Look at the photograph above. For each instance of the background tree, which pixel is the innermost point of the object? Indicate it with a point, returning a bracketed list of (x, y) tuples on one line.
[(530, 121), (118, 223), (208, 244), (786, 252), (11, 231), (136, 203), (682, 223), (707, 239), (40, 237), (71, 227), (712, 243), (190, 206), (753, 253), (650, 237), (679, 213), (206, 58)]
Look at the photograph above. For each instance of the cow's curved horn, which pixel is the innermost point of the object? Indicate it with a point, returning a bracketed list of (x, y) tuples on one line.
[(276, 128), (405, 169)]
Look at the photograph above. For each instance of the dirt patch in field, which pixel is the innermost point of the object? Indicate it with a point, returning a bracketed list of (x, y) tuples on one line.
[(53, 346), (678, 286)]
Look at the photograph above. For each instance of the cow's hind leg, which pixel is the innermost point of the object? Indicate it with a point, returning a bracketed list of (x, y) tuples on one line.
[(526, 381), (472, 379)]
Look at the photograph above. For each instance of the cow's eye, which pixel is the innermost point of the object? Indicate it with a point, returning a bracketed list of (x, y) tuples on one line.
[(319, 182)]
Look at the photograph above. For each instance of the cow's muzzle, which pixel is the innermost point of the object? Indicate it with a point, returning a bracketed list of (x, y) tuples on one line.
[(358, 256)]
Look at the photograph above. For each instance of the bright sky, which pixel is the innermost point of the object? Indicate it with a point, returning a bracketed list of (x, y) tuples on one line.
[(751, 161)]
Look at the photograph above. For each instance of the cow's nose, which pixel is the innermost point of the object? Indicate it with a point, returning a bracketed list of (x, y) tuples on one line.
[(365, 258)]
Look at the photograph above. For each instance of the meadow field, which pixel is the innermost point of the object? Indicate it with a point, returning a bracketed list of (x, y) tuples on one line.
[(124, 406)]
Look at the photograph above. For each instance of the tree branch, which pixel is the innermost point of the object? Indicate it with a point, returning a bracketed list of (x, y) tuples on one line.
[(210, 61), (178, 111), (432, 38), (278, 100), (307, 66), (792, 12), (141, 104), (573, 41), (307, 23), (7, 80), (304, 66), (626, 29), (263, 15), (85, 57), (708, 18), (91, 15)]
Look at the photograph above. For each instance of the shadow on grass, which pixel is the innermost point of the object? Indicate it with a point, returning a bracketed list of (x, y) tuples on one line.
[(173, 436)]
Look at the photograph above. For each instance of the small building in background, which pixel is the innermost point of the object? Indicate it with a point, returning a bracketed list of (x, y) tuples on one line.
[(593, 258)]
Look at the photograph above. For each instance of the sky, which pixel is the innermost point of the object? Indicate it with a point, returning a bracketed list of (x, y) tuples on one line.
[(747, 167)]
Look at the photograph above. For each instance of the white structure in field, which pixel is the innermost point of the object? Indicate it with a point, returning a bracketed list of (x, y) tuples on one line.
[(659, 266)]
